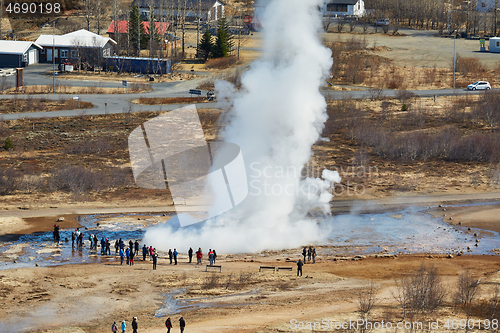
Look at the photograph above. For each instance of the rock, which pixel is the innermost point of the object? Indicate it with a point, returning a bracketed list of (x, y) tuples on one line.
[(360, 257), (440, 206), (60, 219), (450, 256), (430, 257), (36, 265), (444, 209), (139, 218), (451, 218), (459, 223), (475, 234), (477, 240), (476, 245), (468, 228)]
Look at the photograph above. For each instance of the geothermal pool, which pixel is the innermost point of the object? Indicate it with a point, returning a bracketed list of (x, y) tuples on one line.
[(411, 230)]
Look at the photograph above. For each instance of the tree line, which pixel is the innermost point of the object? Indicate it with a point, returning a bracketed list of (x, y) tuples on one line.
[(443, 15)]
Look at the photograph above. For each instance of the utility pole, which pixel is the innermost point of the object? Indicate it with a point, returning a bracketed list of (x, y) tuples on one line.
[(454, 56), (198, 28), (53, 57)]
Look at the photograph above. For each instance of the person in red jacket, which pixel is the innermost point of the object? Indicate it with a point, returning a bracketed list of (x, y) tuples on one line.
[(168, 324), (199, 256)]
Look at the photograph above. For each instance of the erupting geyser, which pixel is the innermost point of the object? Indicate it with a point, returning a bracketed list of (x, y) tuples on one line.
[(275, 118)]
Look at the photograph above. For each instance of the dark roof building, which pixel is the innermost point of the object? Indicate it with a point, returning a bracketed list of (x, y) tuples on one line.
[(209, 10)]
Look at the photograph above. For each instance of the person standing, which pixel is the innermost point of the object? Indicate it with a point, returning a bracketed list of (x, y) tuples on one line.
[(114, 328), (314, 255), (190, 254), (132, 254), (150, 253), (299, 267), (134, 325), (108, 247), (136, 245), (95, 242), (210, 257), (155, 259), (124, 326), (309, 253), (199, 256), (122, 256), (215, 255), (168, 324), (144, 252), (304, 253), (175, 256), (170, 255), (117, 245), (73, 237), (127, 253), (182, 324)]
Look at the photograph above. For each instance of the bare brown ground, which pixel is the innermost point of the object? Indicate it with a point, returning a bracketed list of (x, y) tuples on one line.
[(263, 302)]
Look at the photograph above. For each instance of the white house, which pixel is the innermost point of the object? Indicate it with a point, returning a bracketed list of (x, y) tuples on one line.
[(344, 8), (18, 53), (74, 45)]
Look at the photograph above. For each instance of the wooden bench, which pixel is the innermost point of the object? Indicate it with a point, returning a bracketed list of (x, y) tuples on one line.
[(284, 269), (266, 267), (214, 266)]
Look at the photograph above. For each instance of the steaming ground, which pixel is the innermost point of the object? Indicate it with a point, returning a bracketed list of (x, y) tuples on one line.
[(275, 118)]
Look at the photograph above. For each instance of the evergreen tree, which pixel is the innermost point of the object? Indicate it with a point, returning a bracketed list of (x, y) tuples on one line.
[(224, 43), (136, 28), (206, 46)]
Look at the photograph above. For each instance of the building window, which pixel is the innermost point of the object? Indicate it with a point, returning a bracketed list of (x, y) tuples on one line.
[(498, 44), (74, 54), (64, 53), (25, 57), (336, 8)]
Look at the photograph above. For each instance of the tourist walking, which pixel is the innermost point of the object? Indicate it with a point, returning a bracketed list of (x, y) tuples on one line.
[(182, 324), (114, 328), (144, 252), (190, 254), (175, 257), (155, 259), (73, 237), (168, 324), (134, 325), (299, 267), (127, 253), (124, 326)]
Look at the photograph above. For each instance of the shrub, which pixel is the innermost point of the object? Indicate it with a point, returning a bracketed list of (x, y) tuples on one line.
[(8, 144), (404, 107), (221, 63)]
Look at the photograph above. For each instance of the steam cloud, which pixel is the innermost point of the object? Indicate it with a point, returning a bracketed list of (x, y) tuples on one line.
[(275, 118)]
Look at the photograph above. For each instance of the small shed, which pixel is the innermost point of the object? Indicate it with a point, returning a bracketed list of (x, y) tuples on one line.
[(495, 44), (15, 54)]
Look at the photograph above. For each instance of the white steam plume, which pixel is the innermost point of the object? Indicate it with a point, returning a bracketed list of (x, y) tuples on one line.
[(275, 118)]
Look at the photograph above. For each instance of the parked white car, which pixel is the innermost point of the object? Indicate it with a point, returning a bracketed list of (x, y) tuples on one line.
[(382, 22), (479, 85)]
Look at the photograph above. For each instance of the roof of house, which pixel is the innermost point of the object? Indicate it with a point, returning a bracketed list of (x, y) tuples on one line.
[(16, 46), (174, 4), (81, 38), (342, 2), (123, 27)]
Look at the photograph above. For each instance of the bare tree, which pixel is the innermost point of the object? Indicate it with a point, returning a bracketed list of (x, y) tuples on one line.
[(467, 289)]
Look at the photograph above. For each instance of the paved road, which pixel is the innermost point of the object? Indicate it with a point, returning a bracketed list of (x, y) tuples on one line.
[(121, 103)]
